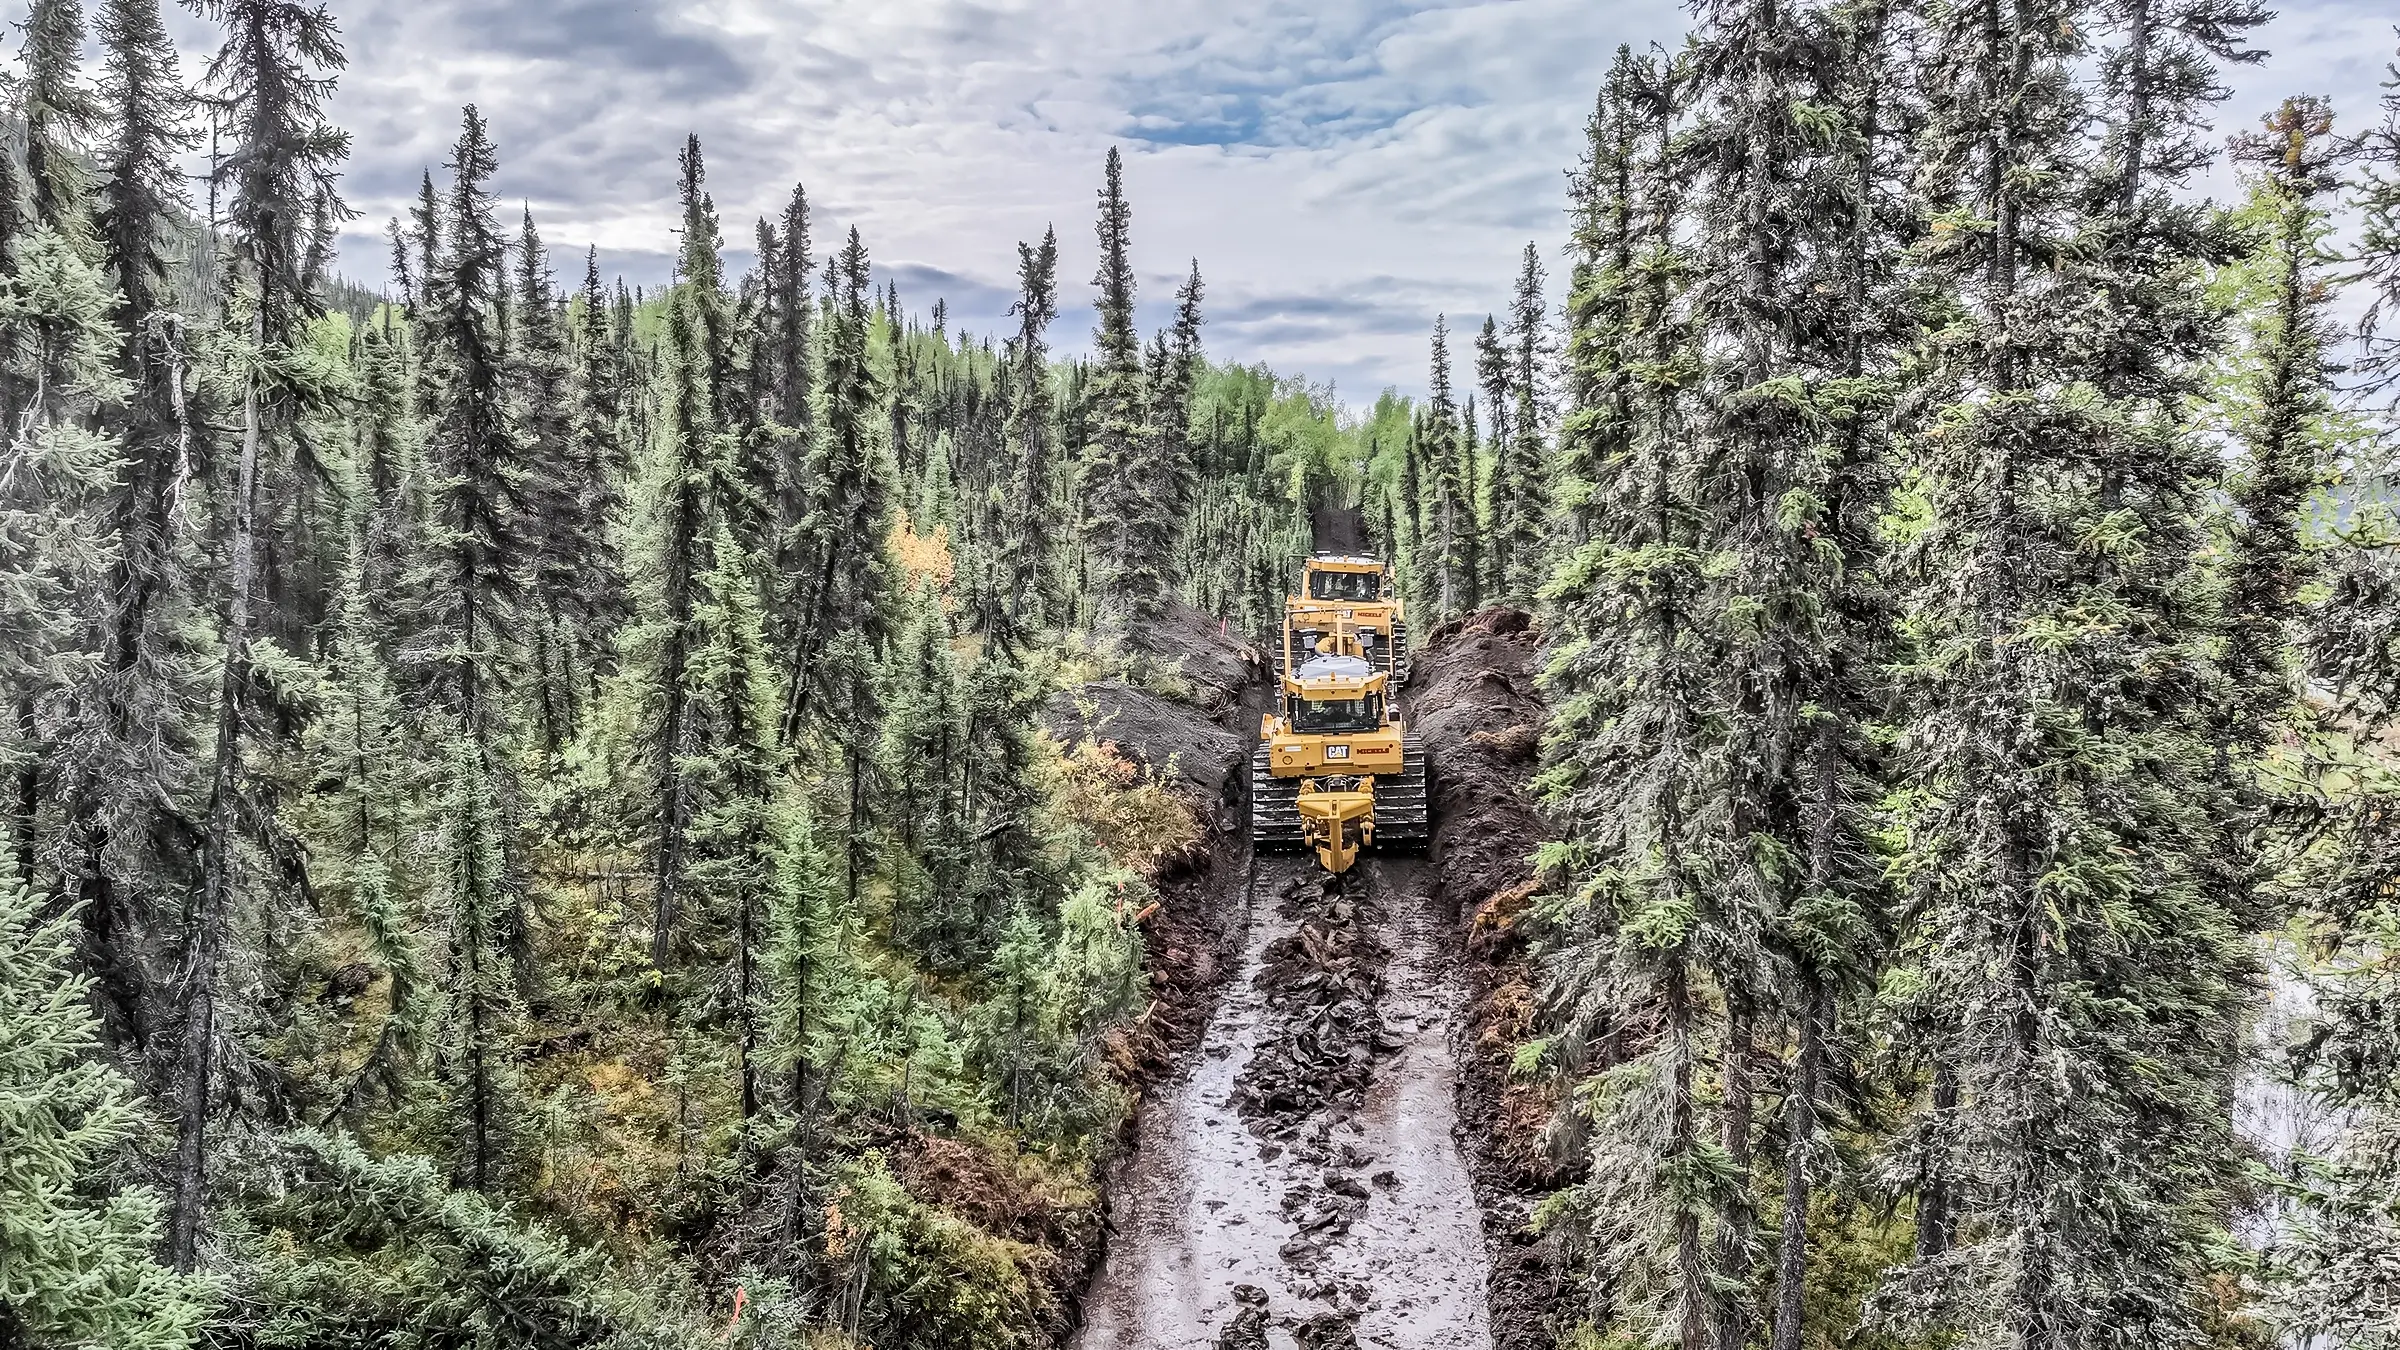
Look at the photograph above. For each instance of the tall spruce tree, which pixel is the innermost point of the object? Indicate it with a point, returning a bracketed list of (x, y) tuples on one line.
[(2339, 1225), (474, 559), (1495, 377), (1521, 475), (58, 114), (601, 384), (1171, 390), (1125, 497), (1026, 598), (266, 88), (1448, 453), (56, 473), (845, 579), (1786, 465), (129, 835), (740, 825), (566, 551), (693, 469), (2076, 1158), (1631, 741)]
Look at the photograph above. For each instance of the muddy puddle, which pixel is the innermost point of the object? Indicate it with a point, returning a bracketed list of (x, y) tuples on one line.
[(1349, 1222)]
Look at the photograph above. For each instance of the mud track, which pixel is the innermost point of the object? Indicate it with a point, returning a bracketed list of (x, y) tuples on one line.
[(1260, 1210), (1362, 1215)]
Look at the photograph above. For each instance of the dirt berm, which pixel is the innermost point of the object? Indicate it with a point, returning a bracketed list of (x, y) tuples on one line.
[(1475, 699), (1186, 737)]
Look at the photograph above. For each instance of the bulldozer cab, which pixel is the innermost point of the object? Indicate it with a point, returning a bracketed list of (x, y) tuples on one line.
[(1340, 695), (1337, 716), (1343, 583), (1341, 579)]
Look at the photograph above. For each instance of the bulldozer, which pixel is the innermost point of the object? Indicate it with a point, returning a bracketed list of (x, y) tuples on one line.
[(1335, 770), (1361, 592)]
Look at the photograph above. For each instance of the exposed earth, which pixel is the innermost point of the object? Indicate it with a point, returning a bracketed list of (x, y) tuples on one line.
[(1301, 1177)]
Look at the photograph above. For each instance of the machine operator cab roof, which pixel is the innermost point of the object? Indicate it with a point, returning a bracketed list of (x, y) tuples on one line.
[(1335, 674), (1344, 577), (1336, 695)]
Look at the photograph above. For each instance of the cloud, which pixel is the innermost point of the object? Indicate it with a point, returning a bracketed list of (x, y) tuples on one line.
[(1342, 169)]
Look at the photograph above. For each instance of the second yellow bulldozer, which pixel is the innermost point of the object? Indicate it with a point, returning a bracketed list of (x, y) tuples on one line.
[(1360, 591), (1336, 770)]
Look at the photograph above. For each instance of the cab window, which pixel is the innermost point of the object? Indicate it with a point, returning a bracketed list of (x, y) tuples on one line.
[(1355, 587), (1338, 716)]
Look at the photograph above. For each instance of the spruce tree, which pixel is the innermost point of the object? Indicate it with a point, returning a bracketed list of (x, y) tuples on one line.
[(694, 468), (142, 200), (1172, 471), (474, 558), (366, 808), (124, 818), (56, 473), (739, 828), (2337, 1226), (1451, 505), (1631, 740), (266, 89), (567, 489), (2279, 399), (1521, 476), (58, 115), (1122, 507), (601, 384), (1602, 300), (2088, 972), (844, 583), (1786, 461), (1495, 377), (1026, 599), (75, 1252)]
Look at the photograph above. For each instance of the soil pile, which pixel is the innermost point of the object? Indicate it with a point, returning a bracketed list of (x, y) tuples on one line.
[(1175, 741), (1203, 654), (1188, 725), (1478, 705), (1474, 699)]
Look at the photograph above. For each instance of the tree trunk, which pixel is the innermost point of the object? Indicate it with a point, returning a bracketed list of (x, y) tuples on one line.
[(1691, 1267), (205, 929), (1933, 1175), (1800, 1115), (25, 794), (1733, 1231)]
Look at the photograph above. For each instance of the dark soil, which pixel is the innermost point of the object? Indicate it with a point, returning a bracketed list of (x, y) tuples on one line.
[(1191, 943), (1475, 701), (1215, 662), (1473, 698), (1195, 742), (1321, 985), (1173, 740)]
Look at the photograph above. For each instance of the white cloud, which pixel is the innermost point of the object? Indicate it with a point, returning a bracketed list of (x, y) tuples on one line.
[(1342, 169)]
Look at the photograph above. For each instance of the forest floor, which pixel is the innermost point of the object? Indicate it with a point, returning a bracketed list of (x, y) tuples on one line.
[(1303, 1175)]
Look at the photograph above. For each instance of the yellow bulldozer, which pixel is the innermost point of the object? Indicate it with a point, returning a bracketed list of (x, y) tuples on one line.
[(1361, 592), (1335, 770)]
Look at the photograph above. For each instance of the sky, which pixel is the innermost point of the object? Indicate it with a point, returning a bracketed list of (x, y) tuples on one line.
[(1342, 170)]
